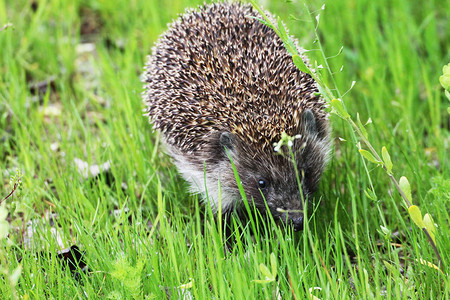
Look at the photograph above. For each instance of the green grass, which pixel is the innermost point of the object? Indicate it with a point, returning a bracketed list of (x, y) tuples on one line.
[(394, 50)]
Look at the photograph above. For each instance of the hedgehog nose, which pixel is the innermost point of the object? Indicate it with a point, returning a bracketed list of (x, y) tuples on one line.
[(297, 223)]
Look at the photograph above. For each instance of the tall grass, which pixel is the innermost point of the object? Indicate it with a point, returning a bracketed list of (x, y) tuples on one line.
[(143, 234)]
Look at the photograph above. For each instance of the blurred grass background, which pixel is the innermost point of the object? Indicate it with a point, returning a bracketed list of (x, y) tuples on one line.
[(70, 89)]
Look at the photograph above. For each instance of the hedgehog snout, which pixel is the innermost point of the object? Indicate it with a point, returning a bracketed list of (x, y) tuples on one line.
[(295, 220), (297, 223), (292, 212)]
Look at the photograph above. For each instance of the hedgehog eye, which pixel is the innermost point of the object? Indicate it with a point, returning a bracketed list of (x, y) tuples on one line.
[(263, 183)]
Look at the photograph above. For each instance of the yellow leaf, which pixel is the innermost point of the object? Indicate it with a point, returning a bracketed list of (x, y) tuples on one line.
[(416, 215), (186, 285), (428, 264)]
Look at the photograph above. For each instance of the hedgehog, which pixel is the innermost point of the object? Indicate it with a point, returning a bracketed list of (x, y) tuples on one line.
[(221, 89)]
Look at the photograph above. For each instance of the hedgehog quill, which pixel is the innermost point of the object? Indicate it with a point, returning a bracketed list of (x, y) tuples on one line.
[(221, 86)]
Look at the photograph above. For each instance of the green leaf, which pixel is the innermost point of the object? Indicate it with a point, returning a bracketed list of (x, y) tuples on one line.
[(12, 208), (273, 263), (367, 155), (14, 277), (429, 225), (263, 14), (262, 281), (265, 271), (385, 230), (4, 225), (290, 47), (406, 188), (300, 64), (445, 78), (4, 229), (282, 29), (391, 268), (263, 22), (360, 125), (370, 194), (416, 215), (129, 276), (3, 211), (338, 109), (446, 69), (386, 159), (445, 81)]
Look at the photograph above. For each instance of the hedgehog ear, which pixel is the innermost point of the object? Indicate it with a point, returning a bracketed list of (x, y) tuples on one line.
[(227, 140), (309, 122)]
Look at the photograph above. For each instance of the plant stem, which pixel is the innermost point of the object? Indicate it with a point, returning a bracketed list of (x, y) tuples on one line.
[(394, 181), (12, 192)]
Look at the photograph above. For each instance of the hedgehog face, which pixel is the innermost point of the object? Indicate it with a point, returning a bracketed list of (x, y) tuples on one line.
[(271, 178), (284, 197)]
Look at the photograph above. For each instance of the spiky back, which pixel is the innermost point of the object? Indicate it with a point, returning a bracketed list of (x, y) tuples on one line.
[(220, 69)]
